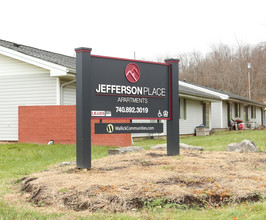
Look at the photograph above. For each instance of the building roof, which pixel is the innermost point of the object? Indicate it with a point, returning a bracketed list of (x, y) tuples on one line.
[(190, 91), (231, 95), (63, 60)]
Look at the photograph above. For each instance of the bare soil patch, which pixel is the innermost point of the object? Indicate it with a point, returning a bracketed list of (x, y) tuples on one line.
[(124, 182)]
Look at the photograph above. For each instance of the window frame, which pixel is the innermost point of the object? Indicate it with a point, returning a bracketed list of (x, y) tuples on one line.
[(253, 112)]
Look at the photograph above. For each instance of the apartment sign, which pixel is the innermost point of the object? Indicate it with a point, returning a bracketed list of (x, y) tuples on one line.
[(115, 88), (129, 89)]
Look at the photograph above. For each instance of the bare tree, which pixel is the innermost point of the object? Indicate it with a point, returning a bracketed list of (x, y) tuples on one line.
[(225, 68)]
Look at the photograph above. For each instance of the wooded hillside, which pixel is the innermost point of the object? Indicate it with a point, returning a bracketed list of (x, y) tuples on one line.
[(226, 68)]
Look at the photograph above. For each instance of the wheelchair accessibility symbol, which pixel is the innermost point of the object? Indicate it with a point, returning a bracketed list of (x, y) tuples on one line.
[(164, 114), (160, 114)]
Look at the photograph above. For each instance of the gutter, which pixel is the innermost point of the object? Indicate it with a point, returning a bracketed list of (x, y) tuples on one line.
[(206, 90), (261, 105), (199, 98)]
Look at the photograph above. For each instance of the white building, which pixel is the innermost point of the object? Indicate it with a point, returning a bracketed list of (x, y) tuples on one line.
[(232, 106), (195, 110), (30, 77)]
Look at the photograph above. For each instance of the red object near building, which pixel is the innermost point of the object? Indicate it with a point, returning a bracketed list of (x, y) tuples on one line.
[(242, 126)]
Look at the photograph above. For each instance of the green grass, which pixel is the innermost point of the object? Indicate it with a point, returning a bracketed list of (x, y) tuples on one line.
[(254, 211), (22, 159), (8, 212), (220, 140), (216, 142), (251, 211), (19, 160)]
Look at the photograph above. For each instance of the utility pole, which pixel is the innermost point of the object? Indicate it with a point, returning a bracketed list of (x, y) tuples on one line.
[(248, 78), (249, 89)]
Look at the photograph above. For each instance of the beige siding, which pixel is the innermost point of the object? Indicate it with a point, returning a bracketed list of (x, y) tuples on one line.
[(194, 117), (21, 84), (225, 115), (69, 94), (258, 116), (217, 114)]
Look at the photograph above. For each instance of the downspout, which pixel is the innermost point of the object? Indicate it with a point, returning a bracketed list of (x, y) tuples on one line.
[(58, 91), (61, 90)]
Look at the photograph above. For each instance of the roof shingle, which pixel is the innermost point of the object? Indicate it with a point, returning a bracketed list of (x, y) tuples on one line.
[(231, 95), (63, 60)]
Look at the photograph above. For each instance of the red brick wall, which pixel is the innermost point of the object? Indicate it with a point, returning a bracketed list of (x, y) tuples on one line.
[(40, 124)]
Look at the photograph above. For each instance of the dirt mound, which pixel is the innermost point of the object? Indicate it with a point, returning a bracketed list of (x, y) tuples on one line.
[(124, 182)]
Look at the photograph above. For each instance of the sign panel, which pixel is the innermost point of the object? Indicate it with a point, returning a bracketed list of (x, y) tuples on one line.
[(120, 128), (129, 89), (121, 88)]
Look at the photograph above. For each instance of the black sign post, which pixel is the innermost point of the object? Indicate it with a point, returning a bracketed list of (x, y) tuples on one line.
[(83, 107), (118, 88), (173, 124)]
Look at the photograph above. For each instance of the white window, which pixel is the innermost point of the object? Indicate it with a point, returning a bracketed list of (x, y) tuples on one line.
[(253, 111)]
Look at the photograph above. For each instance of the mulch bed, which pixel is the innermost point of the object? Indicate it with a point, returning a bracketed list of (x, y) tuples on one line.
[(133, 181)]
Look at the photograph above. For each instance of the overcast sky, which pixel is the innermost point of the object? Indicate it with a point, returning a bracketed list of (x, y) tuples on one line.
[(151, 28)]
